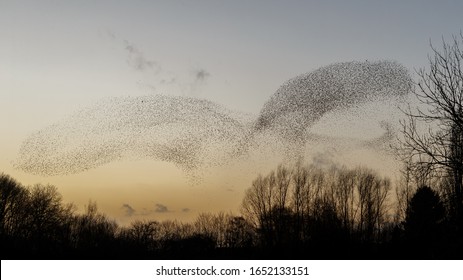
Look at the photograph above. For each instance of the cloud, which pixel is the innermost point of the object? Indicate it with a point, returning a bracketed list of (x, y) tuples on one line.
[(199, 79), (129, 211), (137, 59), (111, 34), (160, 208), (201, 75), (168, 81)]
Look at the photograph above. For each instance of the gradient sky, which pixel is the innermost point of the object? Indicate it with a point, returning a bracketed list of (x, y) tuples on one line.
[(59, 56)]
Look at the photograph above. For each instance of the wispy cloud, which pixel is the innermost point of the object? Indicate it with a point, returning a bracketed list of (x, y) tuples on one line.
[(160, 208), (138, 60), (129, 210), (111, 34), (201, 75)]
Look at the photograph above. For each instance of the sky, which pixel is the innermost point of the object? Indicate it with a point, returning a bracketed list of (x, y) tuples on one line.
[(59, 57)]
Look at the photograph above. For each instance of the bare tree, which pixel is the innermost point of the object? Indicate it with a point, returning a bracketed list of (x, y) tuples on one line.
[(257, 201), (48, 218), (13, 199), (266, 205), (282, 181), (292, 204), (372, 194), (343, 190), (433, 133), (214, 226), (145, 233), (300, 195), (93, 230), (239, 233)]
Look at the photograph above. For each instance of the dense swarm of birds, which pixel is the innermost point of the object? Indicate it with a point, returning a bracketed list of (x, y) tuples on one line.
[(193, 133), (303, 100)]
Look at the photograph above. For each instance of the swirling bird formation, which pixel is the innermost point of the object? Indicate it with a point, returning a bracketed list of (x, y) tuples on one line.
[(193, 133)]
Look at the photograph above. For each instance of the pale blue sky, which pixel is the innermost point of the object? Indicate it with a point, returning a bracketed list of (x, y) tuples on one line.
[(59, 56), (63, 51)]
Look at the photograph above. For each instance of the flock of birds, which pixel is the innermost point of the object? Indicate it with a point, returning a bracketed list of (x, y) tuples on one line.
[(193, 133)]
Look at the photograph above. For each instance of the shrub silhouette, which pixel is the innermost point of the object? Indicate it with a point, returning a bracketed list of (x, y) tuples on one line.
[(424, 221)]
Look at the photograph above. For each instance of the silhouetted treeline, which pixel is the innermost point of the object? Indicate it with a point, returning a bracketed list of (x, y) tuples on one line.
[(341, 213), (319, 212), (302, 212)]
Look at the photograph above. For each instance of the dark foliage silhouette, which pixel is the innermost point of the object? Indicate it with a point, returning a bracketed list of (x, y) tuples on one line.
[(424, 223)]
